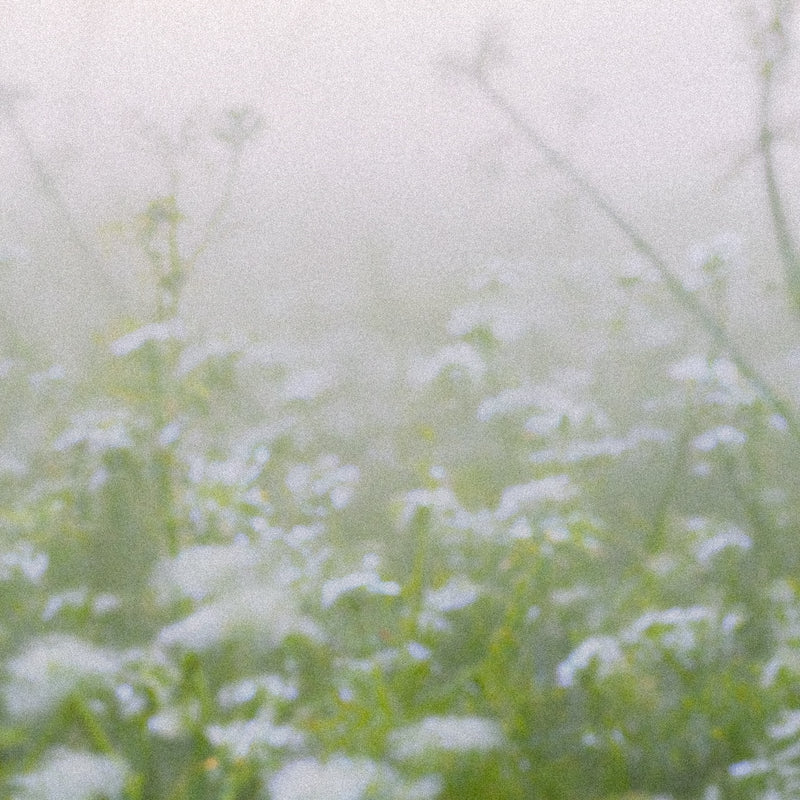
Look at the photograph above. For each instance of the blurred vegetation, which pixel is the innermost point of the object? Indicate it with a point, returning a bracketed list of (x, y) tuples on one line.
[(452, 565)]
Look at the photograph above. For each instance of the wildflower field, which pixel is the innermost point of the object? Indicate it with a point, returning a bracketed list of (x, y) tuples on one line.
[(243, 570), (474, 558)]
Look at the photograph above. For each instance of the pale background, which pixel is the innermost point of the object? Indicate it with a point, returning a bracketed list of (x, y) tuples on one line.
[(376, 160)]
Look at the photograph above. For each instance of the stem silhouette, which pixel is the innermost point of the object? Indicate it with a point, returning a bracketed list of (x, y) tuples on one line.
[(686, 299)]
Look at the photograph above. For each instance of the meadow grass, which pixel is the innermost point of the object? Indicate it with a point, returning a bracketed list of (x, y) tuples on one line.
[(483, 559)]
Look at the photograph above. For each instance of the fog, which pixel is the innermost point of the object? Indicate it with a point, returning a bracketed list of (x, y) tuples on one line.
[(399, 399), (378, 160)]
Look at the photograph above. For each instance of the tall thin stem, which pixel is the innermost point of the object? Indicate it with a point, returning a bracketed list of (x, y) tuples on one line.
[(787, 247), (49, 189), (685, 298)]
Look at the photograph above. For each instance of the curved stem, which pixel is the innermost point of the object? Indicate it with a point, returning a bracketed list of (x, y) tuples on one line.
[(219, 210), (50, 190), (92, 725), (787, 247), (685, 298)]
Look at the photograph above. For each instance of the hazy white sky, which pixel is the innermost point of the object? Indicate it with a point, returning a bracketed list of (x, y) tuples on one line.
[(369, 138)]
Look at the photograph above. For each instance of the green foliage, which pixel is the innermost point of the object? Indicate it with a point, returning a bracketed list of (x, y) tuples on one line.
[(549, 605), (232, 575)]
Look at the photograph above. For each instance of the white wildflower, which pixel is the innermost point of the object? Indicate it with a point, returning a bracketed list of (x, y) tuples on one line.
[(503, 322), (98, 479), (243, 738), (6, 365), (169, 434), (778, 422), (237, 471), (326, 477), (24, 559), (333, 589), (340, 778), (301, 535), (306, 385), (105, 603), (719, 379), (12, 464), (152, 332), (731, 622), (571, 594), (461, 358), (712, 792), (702, 469), (371, 561), (729, 388), (131, 702), (168, 723), (730, 537), (199, 571), (439, 499), (604, 650), (553, 402), (508, 402), (521, 529), (724, 435), (524, 497), (51, 669), (100, 430), (452, 734), (438, 472), (544, 424), (692, 368), (710, 261), (606, 446), (456, 594), (346, 694), (215, 349), (298, 479), (743, 769), (788, 726), (75, 598), (785, 659), (260, 612), (423, 789), (73, 775), (418, 651), (236, 694), (725, 371), (54, 373), (680, 623)]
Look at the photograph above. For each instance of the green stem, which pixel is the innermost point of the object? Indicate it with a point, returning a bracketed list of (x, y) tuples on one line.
[(91, 724), (787, 247), (658, 535), (685, 298), (49, 188), (414, 588), (219, 211)]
